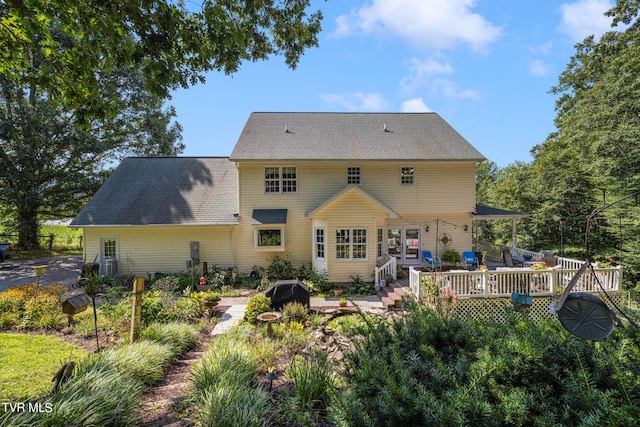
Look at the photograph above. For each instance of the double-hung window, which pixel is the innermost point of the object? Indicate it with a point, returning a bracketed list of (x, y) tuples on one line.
[(407, 175), (280, 179), (353, 175), (320, 243), (351, 244)]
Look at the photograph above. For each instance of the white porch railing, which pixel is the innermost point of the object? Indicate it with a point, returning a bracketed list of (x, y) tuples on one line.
[(502, 282), (389, 268)]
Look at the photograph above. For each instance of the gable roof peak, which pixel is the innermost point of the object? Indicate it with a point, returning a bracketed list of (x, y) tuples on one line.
[(351, 136)]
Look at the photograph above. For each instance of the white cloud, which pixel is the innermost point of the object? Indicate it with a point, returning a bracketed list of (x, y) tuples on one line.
[(356, 101), (421, 73), (539, 68), (415, 105), (585, 17), (449, 89), (543, 49), (439, 24)]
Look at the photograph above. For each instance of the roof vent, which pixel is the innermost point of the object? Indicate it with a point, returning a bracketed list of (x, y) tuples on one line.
[(286, 129), (385, 128)]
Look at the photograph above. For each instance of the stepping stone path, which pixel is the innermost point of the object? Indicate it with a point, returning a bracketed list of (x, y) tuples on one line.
[(159, 404), (229, 319)]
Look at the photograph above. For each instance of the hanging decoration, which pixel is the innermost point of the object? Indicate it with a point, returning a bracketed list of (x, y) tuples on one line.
[(445, 239)]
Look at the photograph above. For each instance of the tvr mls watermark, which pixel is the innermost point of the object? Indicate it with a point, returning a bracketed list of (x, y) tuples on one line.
[(28, 407)]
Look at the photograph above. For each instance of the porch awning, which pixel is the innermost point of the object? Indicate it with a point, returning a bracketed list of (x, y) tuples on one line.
[(486, 212), (269, 216)]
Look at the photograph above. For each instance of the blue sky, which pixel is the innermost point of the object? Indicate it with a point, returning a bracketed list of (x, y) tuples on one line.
[(485, 66)]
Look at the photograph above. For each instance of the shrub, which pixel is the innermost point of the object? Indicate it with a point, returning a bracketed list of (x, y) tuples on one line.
[(166, 283), (228, 360), (143, 360), (452, 256), (313, 380), (9, 320), (20, 308), (304, 271), (318, 281), (43, 311), (179, 336), (155, 305), (280, 269), (256, 305), (101, 396), (296, 337), (218, 277), (225, 382), (350, 324), (185, 309), (431, 369), (295, 311), (232, 405), (359, 286), (266, 352)]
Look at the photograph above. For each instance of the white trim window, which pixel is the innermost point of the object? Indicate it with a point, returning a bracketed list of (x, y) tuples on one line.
[(320, 243), (269, 238), (380, 243), (351, 244), (108, 248), (353, 175), (280, 179), (407, 175)]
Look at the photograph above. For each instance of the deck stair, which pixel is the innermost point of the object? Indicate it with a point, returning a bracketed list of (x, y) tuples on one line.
[(391, 295)]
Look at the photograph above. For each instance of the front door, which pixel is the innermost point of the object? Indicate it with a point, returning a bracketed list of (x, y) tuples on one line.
[(404, 244)]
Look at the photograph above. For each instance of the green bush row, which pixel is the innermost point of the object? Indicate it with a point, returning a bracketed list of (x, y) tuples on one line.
[(105, 389), (430, 369)]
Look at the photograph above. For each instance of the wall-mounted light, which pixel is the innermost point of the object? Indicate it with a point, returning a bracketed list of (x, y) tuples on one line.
[(466, 228), (426, 228)]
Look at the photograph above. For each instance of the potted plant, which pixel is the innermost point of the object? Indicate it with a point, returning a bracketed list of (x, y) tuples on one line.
[(337, 292), (451, 256), (210, 299), (342, 302)]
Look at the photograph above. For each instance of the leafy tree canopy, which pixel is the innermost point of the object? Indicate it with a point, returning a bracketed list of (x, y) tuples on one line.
[(594, 155), (173, 42), (50, 164)]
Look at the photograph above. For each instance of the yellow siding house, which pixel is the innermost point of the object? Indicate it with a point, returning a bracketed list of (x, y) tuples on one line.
[(343, 191)]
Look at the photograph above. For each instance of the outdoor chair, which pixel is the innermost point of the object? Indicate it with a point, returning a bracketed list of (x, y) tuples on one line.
[(470, 260), (432, 262), (549, 258), (509, 260)]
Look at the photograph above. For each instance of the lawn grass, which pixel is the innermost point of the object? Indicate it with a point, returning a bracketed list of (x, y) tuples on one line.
[(29, 362), (66, 241)]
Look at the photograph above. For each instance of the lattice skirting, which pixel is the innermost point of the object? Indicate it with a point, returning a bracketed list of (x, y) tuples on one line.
[(500, 308)]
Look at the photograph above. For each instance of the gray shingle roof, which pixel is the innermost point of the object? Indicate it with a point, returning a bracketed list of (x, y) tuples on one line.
[(269, 216), (165, 191), (351, 136)]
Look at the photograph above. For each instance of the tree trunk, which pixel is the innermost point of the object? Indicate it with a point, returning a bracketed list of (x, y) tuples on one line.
[(28, 222)]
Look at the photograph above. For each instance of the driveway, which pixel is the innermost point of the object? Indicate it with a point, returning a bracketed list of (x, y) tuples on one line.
[(63, 269)]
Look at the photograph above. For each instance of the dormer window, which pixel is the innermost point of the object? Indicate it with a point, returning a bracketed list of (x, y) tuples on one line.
[(353, 175)]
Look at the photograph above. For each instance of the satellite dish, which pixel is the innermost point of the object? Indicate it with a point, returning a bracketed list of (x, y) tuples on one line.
[(586, 317)]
